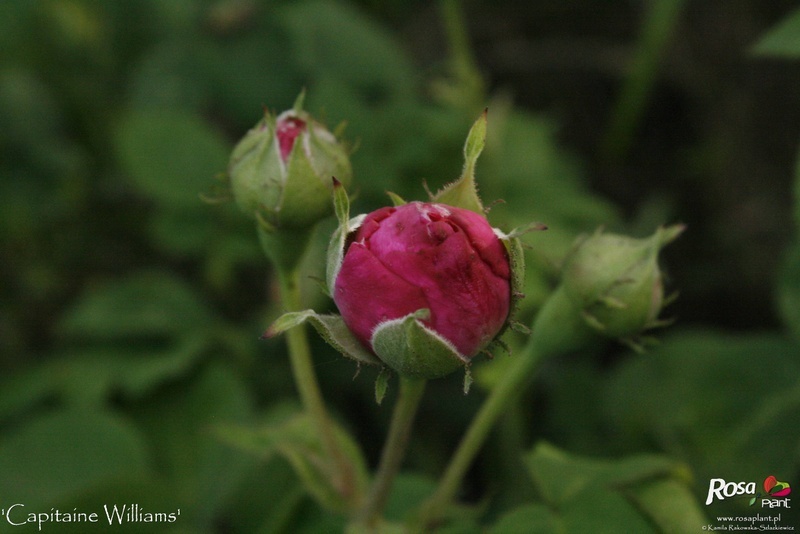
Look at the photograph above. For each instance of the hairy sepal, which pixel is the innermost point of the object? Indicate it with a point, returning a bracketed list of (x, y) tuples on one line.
[(412, 349), (331, 328), (463, 193), (338, 242)]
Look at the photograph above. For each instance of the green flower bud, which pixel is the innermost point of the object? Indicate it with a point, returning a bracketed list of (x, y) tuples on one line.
[(280, 172), (616, 282)]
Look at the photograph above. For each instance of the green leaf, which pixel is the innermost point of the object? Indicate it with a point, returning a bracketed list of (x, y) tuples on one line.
[(252, 70), (334, 39), (408, 492), (558, 476), (295, 438), (171, 156), (170, 75), (783, 40), (595, 495), (90, 376), (669, 504), (267, 508), (59, 455), (184, 232), (734, 419), (528, 519), (203, 471), (145, 304), (331, 328)]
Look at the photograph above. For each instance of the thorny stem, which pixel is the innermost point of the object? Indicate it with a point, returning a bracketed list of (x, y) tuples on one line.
[(405, 409)]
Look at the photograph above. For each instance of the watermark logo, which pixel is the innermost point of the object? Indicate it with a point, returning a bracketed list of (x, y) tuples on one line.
[(775, 492), (719, 489)]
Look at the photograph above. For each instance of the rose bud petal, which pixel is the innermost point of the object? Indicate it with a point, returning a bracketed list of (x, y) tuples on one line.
[(287, 129), (426, 256)]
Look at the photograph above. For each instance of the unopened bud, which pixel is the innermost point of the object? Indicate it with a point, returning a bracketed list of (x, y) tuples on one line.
[(280, 172), (616, 281)]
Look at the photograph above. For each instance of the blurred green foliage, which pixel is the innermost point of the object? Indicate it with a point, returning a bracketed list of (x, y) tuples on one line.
[(130, 310)]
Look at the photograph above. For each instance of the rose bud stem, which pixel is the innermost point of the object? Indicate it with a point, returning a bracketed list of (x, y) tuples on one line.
[(405, 409), (308, 386), (557, 329)]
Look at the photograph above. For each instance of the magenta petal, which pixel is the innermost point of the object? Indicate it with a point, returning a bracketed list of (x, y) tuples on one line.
[(287, 131), (368, 294), (469, 303), (424, 255), (483, 240)]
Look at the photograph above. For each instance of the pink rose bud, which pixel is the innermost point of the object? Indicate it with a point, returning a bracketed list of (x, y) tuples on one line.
[(426, 256)]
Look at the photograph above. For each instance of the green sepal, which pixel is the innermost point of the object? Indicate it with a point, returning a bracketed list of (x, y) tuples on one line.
[(305, 198), (468, 380), (331, 328), (516, 263), (295, 438), (254, 182), (341, 206), (382, 384), (396, 199), (463, 193), (297, 107), (410, 348), (341, 202)]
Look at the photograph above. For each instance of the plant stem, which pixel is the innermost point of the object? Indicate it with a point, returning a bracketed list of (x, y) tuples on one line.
[(658, 27), (504, 393), (558, 328), (467, 89), (405, 409), (308, 386)]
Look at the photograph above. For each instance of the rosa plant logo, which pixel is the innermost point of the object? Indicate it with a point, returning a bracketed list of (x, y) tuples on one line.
[(774, 489)]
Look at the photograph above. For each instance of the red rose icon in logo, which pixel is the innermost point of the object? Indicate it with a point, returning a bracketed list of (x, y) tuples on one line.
[(776, 488)]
